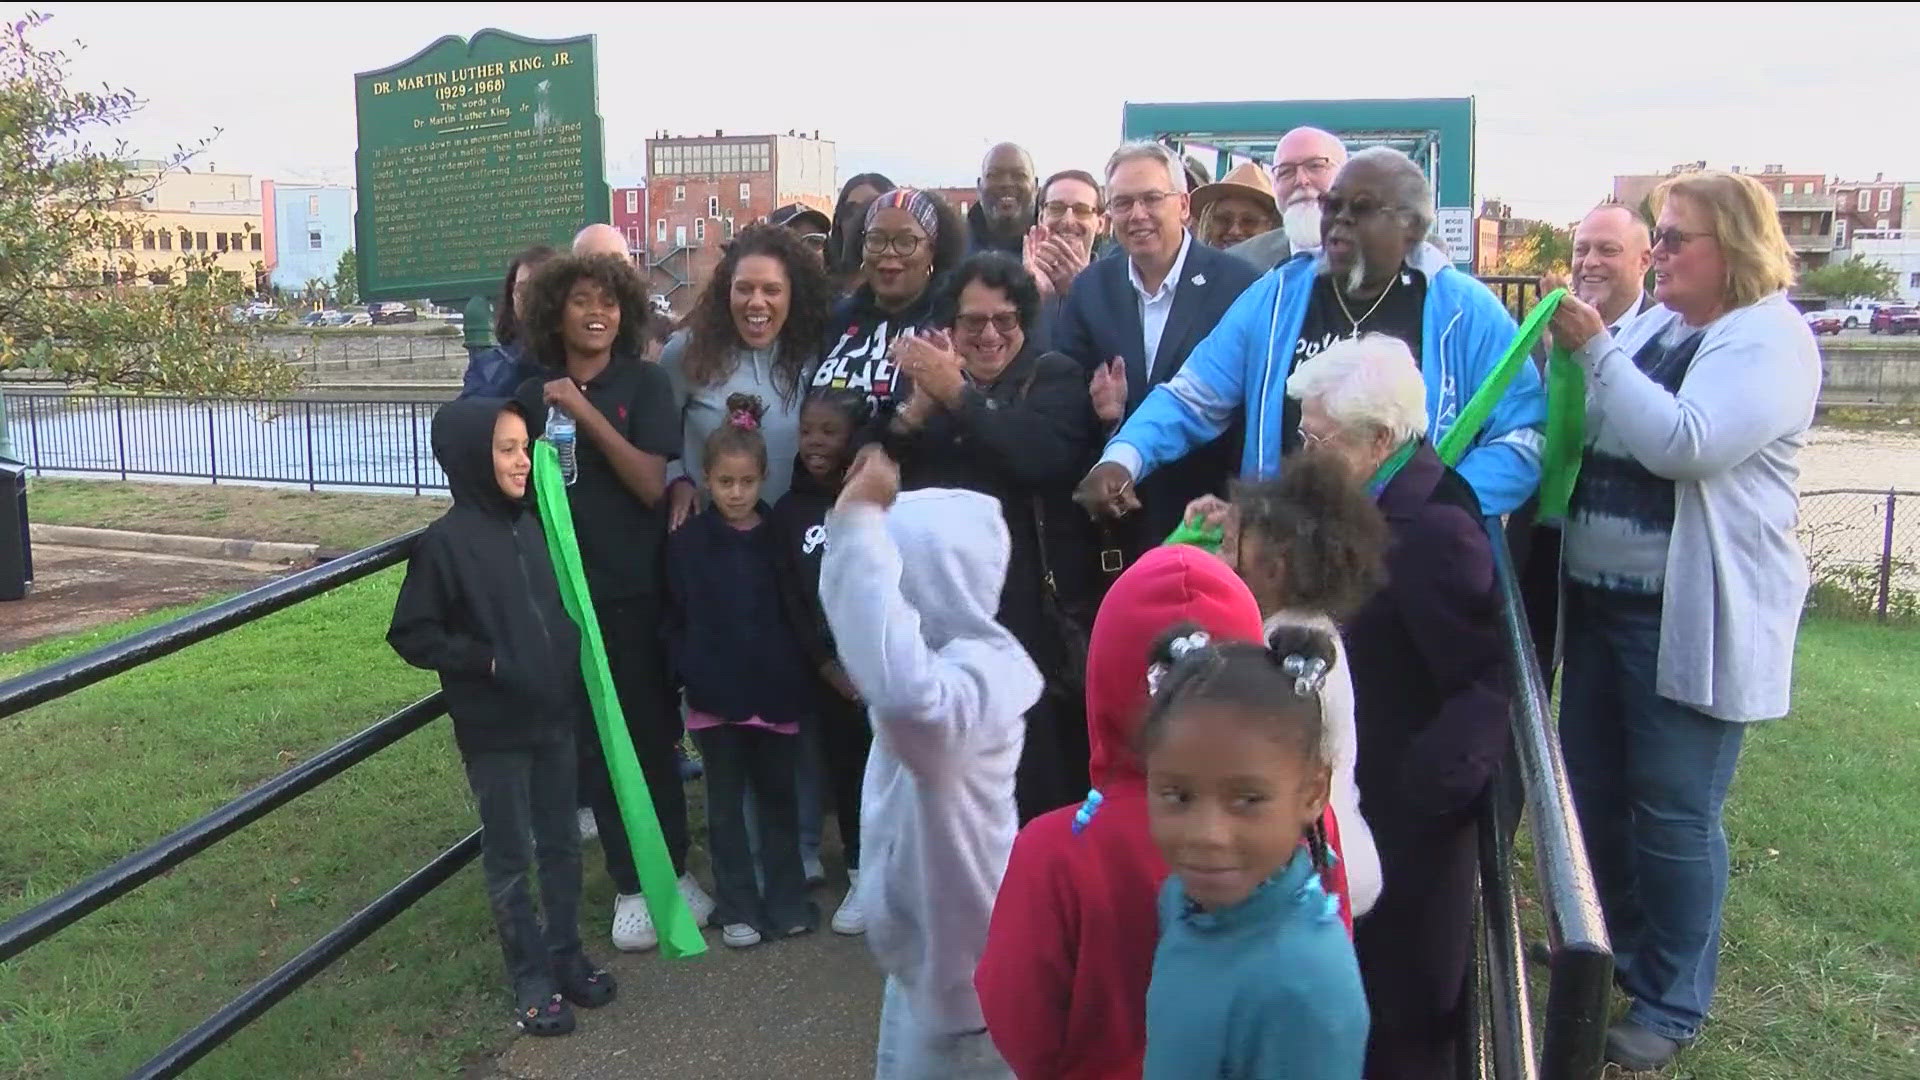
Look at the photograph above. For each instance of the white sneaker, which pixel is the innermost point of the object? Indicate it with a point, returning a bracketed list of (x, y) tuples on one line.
[(851, 919), (632, 926), (739, 936), (697, 900), (816, 873), (589, 828)]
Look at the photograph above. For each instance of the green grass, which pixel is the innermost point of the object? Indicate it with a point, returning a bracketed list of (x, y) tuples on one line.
[(107, 770), (337, 521), (1820, 965)]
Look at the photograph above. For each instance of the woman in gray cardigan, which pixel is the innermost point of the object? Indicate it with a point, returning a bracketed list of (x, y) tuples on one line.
[(1684, 582), (755, 330)]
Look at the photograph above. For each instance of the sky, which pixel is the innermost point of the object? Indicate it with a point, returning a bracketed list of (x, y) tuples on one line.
[(1566, 95)]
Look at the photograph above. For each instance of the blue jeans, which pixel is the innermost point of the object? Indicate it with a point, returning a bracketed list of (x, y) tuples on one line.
[(1650, 779)]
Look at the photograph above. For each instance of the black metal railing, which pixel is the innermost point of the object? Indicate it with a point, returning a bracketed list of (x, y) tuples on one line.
[(1571, 1035), (49, 917), (314, 443)]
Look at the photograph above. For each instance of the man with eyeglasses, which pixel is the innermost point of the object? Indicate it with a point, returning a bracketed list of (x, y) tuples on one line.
[(1131, 321), (1375, 274), (1304, 164), (1000, 220), (1070, 235)]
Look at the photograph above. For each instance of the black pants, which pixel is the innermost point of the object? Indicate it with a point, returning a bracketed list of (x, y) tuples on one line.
[(1415, 946), (844, 739), (526, 811), (1053, 760), (735, 756), (637, 658)]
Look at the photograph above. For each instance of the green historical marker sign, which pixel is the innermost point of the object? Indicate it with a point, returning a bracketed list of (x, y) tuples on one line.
[(469, 152)]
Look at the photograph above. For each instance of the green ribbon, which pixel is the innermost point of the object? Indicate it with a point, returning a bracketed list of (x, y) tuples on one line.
[(679, 936), (1206, 538), (1391, 467), (1566, 410)]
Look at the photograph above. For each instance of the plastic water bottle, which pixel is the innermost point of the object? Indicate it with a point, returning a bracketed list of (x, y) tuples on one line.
[(562, 433)]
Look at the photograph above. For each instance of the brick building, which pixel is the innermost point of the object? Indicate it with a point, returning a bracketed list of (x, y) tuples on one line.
[(1877, 205), (1804, 204), (701, 189)]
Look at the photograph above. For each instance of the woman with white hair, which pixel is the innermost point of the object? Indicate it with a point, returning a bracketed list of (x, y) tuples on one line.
[(1683, 582), (1430, 699)]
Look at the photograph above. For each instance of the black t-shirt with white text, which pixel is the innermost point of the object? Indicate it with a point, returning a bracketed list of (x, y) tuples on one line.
[(858, 337), (1398, 314)]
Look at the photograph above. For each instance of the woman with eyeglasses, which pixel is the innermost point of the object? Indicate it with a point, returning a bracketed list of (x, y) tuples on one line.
[(990, 412), (1683, 582), (910, 238)]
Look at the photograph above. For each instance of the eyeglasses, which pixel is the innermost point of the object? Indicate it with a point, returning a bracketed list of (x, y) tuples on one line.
[(898, 243), (1672, 239), (1061, 210), (1309, 440), (1006, 322), (1121, 205), (1359, 208), (1287, 171)]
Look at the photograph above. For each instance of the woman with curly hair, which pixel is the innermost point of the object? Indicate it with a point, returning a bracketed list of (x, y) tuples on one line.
[(912, 238), (585, 320), (754, 330)]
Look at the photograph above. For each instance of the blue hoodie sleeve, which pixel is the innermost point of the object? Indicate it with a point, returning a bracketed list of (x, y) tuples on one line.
[(1503, 465), (1194, 407)]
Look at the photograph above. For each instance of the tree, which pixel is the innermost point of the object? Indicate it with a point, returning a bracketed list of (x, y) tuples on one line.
[(346, 279), (1855, 277), (70, 218), (1539, 250)]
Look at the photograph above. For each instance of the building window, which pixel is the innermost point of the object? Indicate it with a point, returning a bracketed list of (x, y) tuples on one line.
[(256, 241), (1886, 201), (1840, 232), (238, 242), (727, 228), (166, 239), (746, 192), (699, 230), (222, 239), (1866, 201), (313, 240), (1883, 224), (313, 206), (1913, 281), (200, 241), (147, 240), (633, 237), (713, 206), (126, 238), (679, 193), (660, 231), (633, 202)]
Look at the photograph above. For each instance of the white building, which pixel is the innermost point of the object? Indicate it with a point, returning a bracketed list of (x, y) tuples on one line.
[(1897, 249)]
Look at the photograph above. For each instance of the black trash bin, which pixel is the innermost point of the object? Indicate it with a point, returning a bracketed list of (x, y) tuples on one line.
[(16, 551)]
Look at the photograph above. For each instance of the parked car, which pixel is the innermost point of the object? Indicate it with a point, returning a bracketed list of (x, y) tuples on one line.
[(1854, 314), (1887, 320), (1825, 322), (392, 312), (358, 318), (314, 318)]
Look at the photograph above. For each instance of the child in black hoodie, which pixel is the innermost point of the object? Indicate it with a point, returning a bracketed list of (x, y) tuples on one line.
[(481, 607), (828, 422), (748, 685)]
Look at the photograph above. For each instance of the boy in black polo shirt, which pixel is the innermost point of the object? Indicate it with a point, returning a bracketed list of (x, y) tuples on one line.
[(585, 321)]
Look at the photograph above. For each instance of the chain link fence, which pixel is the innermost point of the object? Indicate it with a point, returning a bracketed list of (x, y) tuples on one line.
[(1863, 548)]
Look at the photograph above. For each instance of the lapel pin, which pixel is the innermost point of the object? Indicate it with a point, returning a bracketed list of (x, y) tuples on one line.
[(1199, 279)]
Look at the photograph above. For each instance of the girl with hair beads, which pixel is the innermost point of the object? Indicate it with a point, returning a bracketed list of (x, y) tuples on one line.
[(1255, 974), (1312, 547), (828, 421), (748, 685)]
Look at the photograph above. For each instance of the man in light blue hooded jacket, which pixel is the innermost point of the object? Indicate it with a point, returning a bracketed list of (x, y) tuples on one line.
[(1379, 205)]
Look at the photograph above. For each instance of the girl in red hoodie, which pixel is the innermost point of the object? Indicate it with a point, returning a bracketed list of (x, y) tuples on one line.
[(1063, 981)]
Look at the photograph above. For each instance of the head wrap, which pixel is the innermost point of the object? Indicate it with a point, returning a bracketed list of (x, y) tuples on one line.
[(913, 201)]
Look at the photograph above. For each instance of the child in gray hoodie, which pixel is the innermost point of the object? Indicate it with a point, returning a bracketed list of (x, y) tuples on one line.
[(910, 586)]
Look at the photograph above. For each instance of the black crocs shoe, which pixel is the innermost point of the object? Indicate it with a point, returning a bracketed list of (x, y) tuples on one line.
[(582, 983), (544, 1015)]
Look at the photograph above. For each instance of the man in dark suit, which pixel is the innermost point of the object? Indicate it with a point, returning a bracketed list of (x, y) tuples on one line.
[(1131, 321)]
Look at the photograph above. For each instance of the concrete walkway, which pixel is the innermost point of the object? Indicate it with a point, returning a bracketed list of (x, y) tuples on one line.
[(78, 588), (802, 1009)]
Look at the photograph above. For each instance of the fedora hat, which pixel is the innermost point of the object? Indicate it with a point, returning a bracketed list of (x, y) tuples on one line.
[(1248, 181)]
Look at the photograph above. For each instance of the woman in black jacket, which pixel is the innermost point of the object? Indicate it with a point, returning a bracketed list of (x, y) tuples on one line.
[(990, 413)]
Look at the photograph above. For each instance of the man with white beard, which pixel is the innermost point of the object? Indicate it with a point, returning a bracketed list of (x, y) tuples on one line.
[(1375, 274), (1304, 165)]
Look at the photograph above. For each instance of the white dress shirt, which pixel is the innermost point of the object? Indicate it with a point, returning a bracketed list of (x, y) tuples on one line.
[(1156, 306)]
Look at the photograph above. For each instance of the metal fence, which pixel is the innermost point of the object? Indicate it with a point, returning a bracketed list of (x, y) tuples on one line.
[(318, 444), (1863, 550)]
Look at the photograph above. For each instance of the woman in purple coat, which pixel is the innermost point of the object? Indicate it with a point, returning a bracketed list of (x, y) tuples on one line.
[(1430, 698)]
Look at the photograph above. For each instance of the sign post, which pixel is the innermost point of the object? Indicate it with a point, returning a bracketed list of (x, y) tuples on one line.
[(470, 151)]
